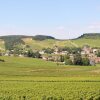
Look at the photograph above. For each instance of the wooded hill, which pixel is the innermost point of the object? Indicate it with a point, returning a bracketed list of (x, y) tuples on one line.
[(41, 41)]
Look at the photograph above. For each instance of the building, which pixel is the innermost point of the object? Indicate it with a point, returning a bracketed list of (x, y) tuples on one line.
[(97, 60)]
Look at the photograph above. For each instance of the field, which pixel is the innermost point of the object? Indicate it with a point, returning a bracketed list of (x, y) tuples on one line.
[(34, 79), (68, 43)]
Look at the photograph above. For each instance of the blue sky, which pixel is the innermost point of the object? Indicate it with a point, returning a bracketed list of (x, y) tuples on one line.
[(62, 19)]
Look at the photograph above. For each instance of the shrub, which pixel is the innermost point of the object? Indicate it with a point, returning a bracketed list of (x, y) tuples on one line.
[(1, 60)]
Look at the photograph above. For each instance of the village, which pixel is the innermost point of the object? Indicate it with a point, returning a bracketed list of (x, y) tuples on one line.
[(58, 54)]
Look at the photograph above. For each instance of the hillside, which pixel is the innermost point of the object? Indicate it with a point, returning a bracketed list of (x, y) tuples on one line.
[(41, 41), (2, 45), (90, 36), (15, 66), (13, 40), (86, 39)]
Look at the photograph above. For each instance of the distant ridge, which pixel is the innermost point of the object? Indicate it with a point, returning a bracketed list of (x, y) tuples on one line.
[(42, 37), (39, 42), (36, 37), (90, 36), (12, 40)]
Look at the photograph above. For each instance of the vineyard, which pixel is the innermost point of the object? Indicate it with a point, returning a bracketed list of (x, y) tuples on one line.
[(34, 79), (28, 90)]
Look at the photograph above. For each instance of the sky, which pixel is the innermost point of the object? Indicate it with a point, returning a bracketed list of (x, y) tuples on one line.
[(63, 19)]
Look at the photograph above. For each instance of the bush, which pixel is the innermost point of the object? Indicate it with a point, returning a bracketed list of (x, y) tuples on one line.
[(77, 59), (85, 61), (68, 62), (1, 60)]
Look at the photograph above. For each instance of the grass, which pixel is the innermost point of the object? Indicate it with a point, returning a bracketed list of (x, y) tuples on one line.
[(36, 67), (35, 79), (90, 42), (68, 43), (2, 44)]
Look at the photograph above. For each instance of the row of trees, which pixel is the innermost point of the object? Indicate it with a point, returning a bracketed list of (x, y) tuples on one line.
[(71, 50), (76, 60), (32, 54)]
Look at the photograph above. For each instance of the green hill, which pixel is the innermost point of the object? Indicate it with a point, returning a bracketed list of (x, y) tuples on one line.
[(41, 41), (12, 40), (90, 36)]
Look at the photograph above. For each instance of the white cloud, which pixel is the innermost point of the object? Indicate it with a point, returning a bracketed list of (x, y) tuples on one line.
[(61, 28), (94, 26)]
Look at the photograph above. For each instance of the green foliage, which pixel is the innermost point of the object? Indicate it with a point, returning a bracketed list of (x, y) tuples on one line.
[(30, 90), (33, 54), (61, 58), (42, 37), (98, 54), (48, 50), (91, 36), (72, 50), (68, 62), (77, 59), (52, 98), (11, 41), (2, 60), (85, 62), (66, 57)]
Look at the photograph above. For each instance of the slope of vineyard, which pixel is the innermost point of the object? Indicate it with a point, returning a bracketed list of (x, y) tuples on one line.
[(90, 42), (2, 45), (28, 90), (35, 79)]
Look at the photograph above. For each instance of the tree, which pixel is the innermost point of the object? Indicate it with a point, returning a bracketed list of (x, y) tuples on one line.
[(66, 57), (68, 62), (77, 59), (98, 54), (85, 62), (37, 55), (61, 58), (48, 50), (30, 53), (1, 60), (33, 54)]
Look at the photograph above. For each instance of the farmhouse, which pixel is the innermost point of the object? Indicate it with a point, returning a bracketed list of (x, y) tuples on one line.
[(86, 50), (97, 60), (42, 52)]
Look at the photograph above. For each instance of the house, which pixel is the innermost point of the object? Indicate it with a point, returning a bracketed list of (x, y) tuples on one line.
[(6, 54), (92, 62), (41, 52), (63, 52), (72, 57), (95, 51), (21, 55), (86, 50), (83, 53), (45, 58), (97, 60), (56, 50)]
